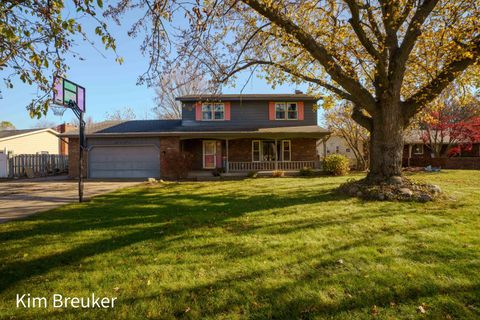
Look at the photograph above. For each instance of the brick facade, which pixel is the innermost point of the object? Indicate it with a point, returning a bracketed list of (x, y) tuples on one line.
[(304, 149), (240, 150), (167, 144), (73, 153)]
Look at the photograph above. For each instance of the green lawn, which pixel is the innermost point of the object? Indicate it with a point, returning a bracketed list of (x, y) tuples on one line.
[(284, 248)]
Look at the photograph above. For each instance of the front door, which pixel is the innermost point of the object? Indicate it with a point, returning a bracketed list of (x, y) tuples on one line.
[(209, 154)]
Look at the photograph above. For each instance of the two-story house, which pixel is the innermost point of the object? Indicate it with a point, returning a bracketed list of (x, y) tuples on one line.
[(238, 133)]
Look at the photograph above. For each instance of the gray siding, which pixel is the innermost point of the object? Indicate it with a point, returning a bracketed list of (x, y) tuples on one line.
[(250, 113)]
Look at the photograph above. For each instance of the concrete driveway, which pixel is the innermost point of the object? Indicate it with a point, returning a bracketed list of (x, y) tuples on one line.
[(21, 198)]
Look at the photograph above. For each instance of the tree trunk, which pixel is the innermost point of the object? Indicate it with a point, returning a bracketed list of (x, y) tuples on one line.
[(386, 144)]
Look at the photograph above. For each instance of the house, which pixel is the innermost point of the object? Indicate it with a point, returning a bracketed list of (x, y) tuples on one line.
[(336, 144), (30, 141), (238, 133), (417, 154)]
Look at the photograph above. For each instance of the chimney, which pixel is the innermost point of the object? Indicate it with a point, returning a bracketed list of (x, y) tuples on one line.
[(298, 92)]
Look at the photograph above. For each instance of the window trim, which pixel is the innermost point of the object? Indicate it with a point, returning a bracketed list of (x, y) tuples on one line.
[(259, 151), (289, 150), (212, 112), (286, 103)]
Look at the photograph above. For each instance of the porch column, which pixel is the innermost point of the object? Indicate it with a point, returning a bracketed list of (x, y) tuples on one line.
[(226, 151), (276, 155)]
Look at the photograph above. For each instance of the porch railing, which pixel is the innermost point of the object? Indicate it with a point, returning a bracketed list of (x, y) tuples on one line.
[(272, 165)]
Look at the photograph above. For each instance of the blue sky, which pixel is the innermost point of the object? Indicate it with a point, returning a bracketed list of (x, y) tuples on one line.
[(109, 86)]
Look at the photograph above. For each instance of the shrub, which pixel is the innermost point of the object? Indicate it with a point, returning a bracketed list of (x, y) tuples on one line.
[(178, 163), (336, 164), (278, 173), (252, 174), (306, 172)]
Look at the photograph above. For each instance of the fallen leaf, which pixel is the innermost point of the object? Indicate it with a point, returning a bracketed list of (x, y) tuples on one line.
[(187, 310), (149, 282), (374, 310), (421, 309), (116, 289), (340, 261)]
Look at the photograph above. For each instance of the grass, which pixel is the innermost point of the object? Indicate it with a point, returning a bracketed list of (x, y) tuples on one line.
[(285, 248)]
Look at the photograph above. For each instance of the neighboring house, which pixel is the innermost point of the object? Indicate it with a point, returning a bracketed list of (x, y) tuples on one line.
[(233, 132), (336, 144), (63, 143), (417, 153), (30, 141)]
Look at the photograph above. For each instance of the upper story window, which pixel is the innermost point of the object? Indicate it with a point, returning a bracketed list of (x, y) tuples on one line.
[(286, 111), (213, 111)]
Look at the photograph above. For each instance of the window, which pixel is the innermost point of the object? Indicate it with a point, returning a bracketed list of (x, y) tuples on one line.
[(337, 149), (266, 150), (347, 150), (255, 150), (286, 150), (286, 111), (213, 111), (417, 149)]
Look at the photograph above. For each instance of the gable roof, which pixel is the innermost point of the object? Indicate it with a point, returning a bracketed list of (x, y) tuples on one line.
[(247, 97), (12, 134)]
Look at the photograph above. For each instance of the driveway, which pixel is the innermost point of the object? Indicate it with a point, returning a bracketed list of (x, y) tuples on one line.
[(21, 198)]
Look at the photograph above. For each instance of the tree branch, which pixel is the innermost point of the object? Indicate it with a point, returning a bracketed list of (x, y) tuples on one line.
[(362, 36), (361, 118), (401, 55), (430, 91), (316, 50)]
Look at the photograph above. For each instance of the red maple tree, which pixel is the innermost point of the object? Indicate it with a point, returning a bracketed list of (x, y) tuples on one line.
[(451, 130)]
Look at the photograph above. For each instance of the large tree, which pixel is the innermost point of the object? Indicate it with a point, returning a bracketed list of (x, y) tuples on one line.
[(389, 58), (6, 125), (37, 35), (175, 84)]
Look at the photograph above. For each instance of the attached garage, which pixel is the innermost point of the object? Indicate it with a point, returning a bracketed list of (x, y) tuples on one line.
[(124, 161)]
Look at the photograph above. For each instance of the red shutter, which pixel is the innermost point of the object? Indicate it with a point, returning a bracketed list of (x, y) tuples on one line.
[(227, 110), (271, 110), (198, 111), (300, 110)]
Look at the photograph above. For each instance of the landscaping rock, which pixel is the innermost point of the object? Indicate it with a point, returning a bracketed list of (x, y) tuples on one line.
[(353, 190), (435, 189), (395, 180), (425, 197), (405, 192), (359, 194), (381, 196)]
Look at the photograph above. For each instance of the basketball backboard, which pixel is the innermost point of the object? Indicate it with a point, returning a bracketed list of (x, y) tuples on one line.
[(66, 91)]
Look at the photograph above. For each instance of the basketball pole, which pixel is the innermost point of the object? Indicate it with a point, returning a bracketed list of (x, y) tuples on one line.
[(80, 157), (81, 137)]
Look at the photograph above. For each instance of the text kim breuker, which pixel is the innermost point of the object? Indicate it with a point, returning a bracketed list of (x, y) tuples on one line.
[(59, 301)]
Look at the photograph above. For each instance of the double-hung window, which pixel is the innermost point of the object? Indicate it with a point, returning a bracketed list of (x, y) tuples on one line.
[(213, 111), (286, 111)]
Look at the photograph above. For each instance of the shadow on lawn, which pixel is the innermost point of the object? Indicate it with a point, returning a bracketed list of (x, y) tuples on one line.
[(168, 216), (155, 215)]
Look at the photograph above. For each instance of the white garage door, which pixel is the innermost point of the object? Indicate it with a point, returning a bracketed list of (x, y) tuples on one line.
[(124, 162)]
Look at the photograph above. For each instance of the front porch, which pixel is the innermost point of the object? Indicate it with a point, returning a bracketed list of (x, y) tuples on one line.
[(252, 154)]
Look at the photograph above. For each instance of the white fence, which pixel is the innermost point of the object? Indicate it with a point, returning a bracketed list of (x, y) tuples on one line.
[(32, 165), (3, 165)]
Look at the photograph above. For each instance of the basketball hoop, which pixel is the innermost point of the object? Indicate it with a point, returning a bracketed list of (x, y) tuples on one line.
[(69, 95), (58, 110)]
